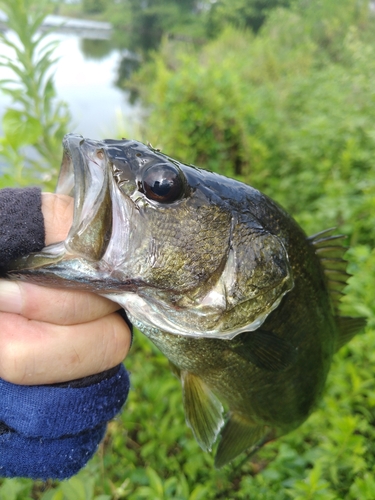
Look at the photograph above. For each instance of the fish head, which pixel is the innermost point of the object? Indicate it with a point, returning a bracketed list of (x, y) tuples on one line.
[(178, 247)]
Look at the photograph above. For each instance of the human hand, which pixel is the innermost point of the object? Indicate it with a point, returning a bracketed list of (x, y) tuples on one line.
[(56, 335)]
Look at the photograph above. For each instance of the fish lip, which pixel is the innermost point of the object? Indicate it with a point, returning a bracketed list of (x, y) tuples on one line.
[(84, 177), (71, 179)]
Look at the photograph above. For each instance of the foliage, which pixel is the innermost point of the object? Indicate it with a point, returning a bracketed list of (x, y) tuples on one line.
[(294, 116), (329, 23), (141, 25), (240, 14), (35, 122), (93, 6)]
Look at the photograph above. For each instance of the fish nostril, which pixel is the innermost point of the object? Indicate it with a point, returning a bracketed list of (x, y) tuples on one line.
[(120, 177), (100, 154), (121, 170)]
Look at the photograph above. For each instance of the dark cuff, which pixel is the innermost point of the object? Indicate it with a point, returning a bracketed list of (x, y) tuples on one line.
[(21, 223)]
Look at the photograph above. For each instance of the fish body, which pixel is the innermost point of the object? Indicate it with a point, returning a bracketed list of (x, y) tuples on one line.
[(220, 278)]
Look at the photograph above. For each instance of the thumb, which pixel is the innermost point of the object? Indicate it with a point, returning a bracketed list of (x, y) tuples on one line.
[(57, 211)]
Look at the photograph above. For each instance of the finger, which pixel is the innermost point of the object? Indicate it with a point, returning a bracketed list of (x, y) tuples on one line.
[(57, 211), (33, 352), (52, 305)]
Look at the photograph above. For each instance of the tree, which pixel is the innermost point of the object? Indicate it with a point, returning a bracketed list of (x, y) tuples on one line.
[(241, 13), (142, 24), (93, 6)]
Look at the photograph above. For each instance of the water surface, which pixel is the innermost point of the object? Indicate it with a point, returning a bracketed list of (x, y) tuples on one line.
[(86, 82)]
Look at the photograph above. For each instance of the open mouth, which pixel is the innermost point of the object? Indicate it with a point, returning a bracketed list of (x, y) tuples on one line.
[(84, 175)]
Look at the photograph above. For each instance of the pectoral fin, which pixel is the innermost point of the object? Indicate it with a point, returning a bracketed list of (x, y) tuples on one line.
[(238, 435), (265, 350), (203, 410)]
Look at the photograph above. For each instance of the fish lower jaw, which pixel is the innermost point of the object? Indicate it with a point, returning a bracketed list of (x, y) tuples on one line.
[(161, 317)]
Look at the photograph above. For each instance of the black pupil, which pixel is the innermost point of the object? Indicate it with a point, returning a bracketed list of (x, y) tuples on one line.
[(162, 183), (162, 188)]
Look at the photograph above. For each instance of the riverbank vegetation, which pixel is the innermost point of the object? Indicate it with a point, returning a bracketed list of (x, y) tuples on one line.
[(36, 120), (287, 104)]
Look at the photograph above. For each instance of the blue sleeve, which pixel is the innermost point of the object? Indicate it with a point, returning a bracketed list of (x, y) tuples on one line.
[(52, 431), (49, 432)]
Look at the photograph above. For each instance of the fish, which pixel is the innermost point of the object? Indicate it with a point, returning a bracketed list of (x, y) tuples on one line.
[(217, 275)]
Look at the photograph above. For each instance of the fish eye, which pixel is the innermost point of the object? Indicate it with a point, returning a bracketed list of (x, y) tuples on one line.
[(163, 183)]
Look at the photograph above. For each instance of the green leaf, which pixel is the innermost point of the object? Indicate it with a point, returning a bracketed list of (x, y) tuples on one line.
[(200, 492), (156, 484), (20, 129), (78, 488), (363, 488), (10, 489), (55, 494)]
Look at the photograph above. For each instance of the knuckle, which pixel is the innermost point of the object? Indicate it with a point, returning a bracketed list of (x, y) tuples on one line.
[(12, 360), (117, 341)]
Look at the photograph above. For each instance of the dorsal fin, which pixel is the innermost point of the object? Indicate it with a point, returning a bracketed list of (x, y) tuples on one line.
[(330, 253), (330, 250)]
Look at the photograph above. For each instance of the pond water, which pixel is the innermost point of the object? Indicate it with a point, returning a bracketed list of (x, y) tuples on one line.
[(85, 77)]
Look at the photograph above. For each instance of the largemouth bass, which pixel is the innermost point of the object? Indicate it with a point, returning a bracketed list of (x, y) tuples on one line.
[(220, 278)]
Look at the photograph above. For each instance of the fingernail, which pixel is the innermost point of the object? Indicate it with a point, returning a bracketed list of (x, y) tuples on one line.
[(10, 297)]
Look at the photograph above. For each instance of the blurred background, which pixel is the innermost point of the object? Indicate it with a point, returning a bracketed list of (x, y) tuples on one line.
[(277, 93)]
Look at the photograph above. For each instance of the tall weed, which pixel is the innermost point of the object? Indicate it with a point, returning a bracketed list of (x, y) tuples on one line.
[(35, 123)]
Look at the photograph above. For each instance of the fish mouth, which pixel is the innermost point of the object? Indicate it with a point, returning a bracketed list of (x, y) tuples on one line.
[(98, 243), (84, 175)]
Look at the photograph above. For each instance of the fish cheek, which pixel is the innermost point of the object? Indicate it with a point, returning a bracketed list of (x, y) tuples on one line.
[(261, 276), (189, 245), (261, 260)]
